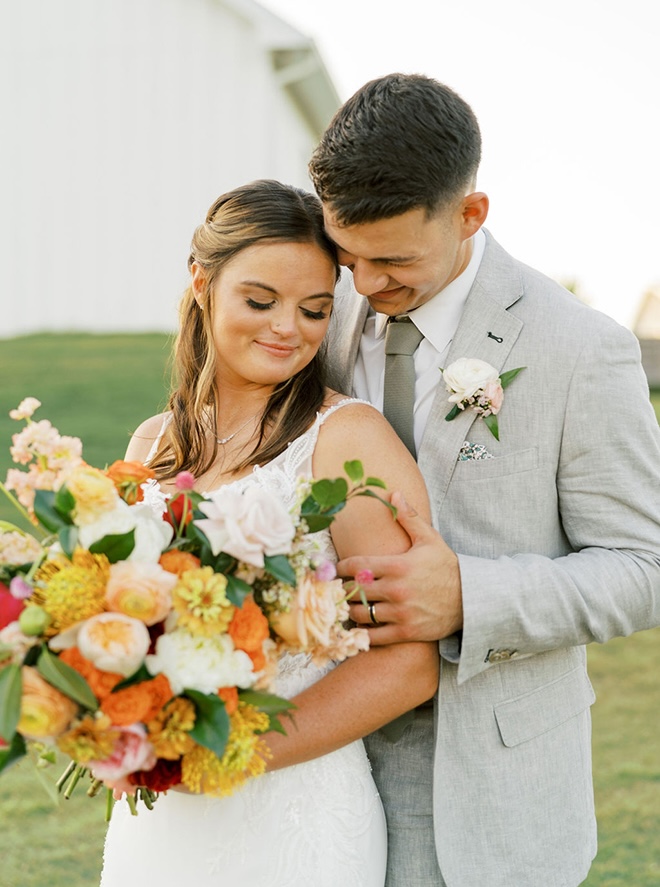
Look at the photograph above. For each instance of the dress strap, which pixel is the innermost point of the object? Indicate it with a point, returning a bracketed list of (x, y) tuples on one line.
[(167, 418)]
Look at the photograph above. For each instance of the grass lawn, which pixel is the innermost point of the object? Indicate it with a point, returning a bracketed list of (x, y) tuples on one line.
[(100, 388)]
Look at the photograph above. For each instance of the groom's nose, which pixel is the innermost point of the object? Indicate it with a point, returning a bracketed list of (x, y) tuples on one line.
[(368, 277)]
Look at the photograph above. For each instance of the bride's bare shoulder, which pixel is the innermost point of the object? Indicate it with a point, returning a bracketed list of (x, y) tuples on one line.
[(144, 436)]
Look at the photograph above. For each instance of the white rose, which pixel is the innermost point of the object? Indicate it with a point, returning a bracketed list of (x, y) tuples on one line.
[(465, 376), (152, 534), (198, 663), (247, 525)]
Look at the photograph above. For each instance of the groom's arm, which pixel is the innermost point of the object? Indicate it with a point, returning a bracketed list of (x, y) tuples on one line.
[(608, 488)]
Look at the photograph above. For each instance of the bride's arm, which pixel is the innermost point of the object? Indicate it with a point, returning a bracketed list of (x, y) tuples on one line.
[(370, 689)]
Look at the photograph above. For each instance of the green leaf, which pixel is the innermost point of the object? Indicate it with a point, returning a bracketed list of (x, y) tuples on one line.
[(68, 539), (237, 590), (138, 677), (375, 482), (354, 470), (47, 514), (7, 527), (380, 499), (271, 705), (330, 492), (317, 522), (491, 425), (66, 679), (223, 563), (453, 412), (279, 567), (116, 546), (64, 502), (212, 723), (13, 753), (509, 376), (10, 700)]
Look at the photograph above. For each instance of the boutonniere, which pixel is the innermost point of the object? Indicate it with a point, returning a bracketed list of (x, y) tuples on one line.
[(476, 385)]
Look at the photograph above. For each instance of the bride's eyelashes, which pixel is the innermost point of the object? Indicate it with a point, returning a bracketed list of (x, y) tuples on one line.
[(265, 306)]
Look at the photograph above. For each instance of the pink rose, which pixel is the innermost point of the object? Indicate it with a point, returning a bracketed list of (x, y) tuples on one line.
[(140, 590), (132, 752), (494, 395)]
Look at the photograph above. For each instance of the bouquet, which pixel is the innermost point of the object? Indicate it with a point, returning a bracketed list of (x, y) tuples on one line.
[(139, 633)]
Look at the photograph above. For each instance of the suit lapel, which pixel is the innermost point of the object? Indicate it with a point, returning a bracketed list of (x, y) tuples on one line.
[(498, 285), (351, 309)]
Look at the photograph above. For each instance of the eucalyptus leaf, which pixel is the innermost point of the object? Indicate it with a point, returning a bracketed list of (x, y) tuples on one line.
[(373, 495), (116, 546), (354, 470), (317, 522), (279, 567), (492, 426), (329, 492), (66, 679), (375, 482), (14, 752), (10, 700), (212, 722)]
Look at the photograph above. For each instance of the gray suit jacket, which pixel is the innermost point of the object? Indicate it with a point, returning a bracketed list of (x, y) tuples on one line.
[(558, 538)]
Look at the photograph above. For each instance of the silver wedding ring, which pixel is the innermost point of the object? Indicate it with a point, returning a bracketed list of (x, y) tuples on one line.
[(372, 614)]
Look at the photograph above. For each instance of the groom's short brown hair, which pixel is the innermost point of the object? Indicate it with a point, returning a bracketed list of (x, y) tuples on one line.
[(401, 142)]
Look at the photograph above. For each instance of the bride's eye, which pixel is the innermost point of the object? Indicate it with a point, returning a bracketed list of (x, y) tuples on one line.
[(314, 315), (259, 306)]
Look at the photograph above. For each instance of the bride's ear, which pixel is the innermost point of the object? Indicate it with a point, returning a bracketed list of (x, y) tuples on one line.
[(198, 283)]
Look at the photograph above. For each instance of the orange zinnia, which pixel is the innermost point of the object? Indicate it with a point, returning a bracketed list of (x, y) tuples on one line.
[(137, 703), (229, 696), (249, 628)]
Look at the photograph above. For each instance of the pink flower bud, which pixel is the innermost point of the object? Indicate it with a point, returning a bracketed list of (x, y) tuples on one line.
[(364, 577), (20, 589), (184, 481), (325, 572)]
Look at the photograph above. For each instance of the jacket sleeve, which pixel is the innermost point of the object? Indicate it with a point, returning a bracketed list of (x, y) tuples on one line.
[(608, 490)]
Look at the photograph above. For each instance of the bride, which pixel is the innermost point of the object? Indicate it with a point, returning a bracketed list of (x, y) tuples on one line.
[(250, 406)]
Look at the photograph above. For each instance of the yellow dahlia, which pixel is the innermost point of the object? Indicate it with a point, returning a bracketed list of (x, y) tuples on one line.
[(72, 590), (93, 739), (169, 731), (201, 603), (245, 756)]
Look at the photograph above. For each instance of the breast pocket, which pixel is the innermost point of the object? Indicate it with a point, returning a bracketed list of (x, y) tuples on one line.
[(498, 466)]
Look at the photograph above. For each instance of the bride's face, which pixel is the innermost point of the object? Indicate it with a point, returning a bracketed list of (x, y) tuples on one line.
[(270, 307)]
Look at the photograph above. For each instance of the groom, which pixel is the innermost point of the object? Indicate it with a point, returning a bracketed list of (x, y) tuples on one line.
[(548, 537)]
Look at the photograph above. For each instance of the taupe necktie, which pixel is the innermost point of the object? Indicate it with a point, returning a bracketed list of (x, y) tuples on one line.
[(401, 341)]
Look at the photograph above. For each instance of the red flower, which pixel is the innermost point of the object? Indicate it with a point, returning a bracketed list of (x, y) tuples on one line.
[(10, 607), (175, 509), (164, 775)]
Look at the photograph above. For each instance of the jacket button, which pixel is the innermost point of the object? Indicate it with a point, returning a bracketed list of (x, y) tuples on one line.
[(500, 655)]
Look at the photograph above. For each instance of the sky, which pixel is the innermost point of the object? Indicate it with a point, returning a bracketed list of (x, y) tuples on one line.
[(567, 94)]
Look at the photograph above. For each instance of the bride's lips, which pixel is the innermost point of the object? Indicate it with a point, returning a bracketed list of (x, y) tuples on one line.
[(276, 348)]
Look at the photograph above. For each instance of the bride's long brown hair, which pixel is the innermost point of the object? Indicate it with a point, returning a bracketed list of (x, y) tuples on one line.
[(263, 210)]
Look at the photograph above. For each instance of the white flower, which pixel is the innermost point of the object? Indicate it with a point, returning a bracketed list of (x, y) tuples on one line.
[(152, 534), (247, 525), (25, 408), (466, 376), (114, 642), (199, 663)]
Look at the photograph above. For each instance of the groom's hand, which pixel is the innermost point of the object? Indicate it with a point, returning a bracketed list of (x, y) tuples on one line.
[(415, 596)]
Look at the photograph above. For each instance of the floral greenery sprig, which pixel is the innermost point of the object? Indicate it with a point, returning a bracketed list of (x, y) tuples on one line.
[(475, 384)]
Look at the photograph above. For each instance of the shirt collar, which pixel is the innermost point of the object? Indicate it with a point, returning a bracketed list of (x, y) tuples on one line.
[(438, 318)]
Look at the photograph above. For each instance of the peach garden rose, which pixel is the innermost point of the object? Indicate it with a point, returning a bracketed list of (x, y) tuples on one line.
[(45, 712)]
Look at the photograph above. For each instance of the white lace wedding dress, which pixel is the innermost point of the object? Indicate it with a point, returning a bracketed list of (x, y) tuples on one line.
[(316, 824)]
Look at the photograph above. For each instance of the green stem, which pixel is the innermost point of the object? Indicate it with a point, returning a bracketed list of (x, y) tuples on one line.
[(20, 508), (109, 804), (63, 778)]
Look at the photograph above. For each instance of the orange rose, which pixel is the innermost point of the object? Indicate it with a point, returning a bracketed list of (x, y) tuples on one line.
[(45, 712), (249, 627), (127, 478), (101, 682), (178, 562), (229, 696), (137, 703)]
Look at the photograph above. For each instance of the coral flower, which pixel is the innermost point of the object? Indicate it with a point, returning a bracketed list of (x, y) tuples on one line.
[(139, 702), (140, 590), (128, 478), (177, 562), (100, 682)]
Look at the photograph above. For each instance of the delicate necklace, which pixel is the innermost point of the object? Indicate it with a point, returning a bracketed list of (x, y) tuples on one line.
[(223, 440)]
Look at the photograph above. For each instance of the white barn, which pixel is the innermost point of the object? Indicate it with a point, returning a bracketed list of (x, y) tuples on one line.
[(122, 122)]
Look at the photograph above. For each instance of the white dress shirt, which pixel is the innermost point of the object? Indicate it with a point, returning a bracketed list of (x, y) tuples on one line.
[(438, 320)]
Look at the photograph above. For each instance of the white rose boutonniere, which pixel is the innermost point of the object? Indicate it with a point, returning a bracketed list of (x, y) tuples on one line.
[(475, 384)]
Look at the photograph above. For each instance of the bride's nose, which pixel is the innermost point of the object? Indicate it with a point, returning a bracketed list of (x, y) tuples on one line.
[(284, 323)]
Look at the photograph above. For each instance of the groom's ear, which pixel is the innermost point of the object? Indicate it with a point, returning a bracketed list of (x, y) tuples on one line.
[(473, 212)]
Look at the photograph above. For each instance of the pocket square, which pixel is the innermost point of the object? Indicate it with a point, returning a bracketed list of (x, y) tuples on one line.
[(470, 452)]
